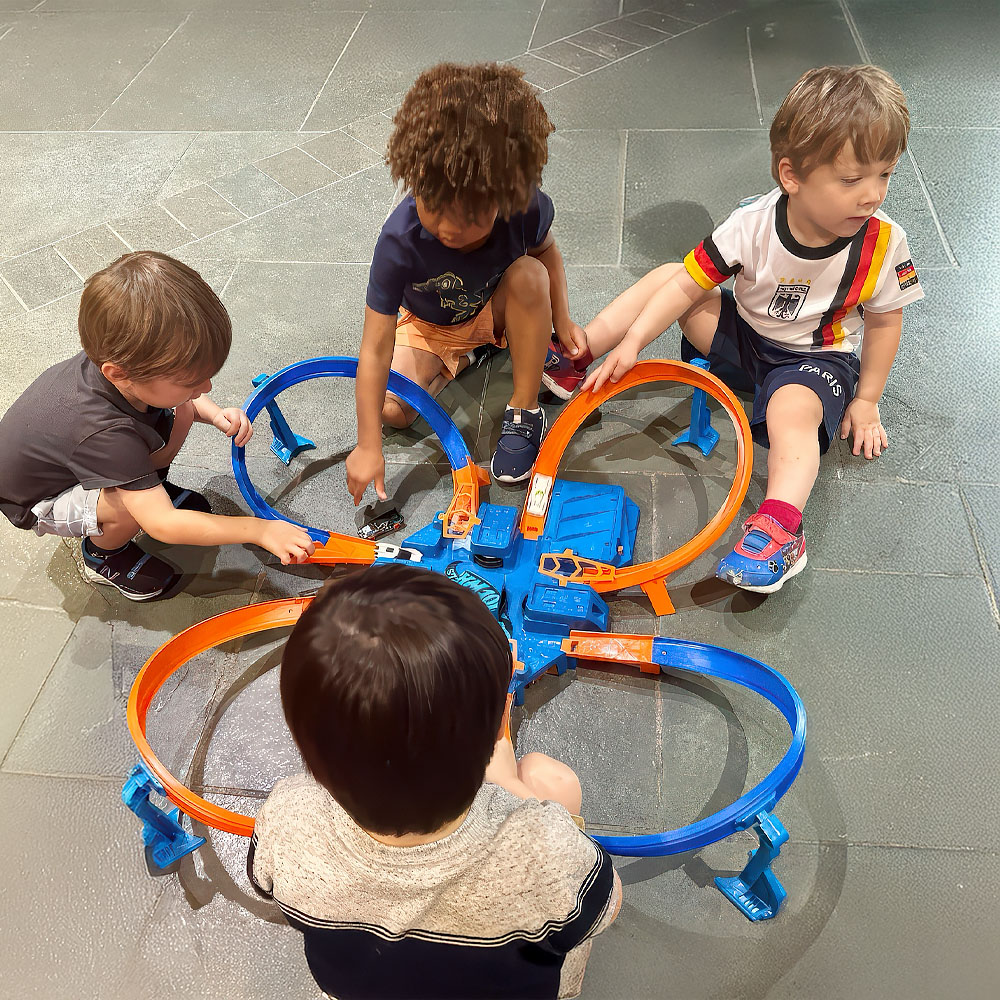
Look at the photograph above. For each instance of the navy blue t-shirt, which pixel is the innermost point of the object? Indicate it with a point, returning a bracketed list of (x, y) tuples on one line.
[(411, 268)]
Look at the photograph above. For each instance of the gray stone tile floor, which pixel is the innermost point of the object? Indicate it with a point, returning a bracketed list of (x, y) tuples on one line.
[(247, 138)]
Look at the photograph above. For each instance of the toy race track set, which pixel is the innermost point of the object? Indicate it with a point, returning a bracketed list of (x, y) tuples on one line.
[(542, 571)]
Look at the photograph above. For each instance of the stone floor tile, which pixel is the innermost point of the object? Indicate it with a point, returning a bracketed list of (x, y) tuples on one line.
[(341, 153), (151, 229), (251, 191), (542, 73), (604, 44), (91, 250), (203, 211), (372, 130), (41, 571), (297, 171), (571, 57), (40, 276), (636, 32), (557, 21)]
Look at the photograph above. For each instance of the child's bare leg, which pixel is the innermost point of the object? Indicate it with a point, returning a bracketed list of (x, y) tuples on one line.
[(610, 325), (183, 419), (794, 414), (116, 523), (418, 366), (522, 309), (548, 778), (700, 322)]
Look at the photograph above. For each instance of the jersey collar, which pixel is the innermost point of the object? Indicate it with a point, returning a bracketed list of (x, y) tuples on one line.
[(793, 246)]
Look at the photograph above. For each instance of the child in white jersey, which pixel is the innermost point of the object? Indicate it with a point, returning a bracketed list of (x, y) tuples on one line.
[(815, 265)]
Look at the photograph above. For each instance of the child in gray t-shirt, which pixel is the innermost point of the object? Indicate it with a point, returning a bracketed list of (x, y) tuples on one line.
[(418, 858)]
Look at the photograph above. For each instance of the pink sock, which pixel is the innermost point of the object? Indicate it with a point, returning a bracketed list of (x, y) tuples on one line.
[(786, 514)]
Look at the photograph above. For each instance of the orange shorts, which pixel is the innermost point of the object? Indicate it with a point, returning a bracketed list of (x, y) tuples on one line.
[(449, 343)]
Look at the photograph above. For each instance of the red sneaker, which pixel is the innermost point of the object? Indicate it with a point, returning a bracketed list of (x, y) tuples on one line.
[(562, 376)]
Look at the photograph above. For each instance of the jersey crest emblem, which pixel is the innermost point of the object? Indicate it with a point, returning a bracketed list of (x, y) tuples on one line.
[(787, 301)]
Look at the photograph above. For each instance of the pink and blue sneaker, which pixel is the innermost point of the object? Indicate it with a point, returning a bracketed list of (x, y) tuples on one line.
[(765, 557), (561, 375)]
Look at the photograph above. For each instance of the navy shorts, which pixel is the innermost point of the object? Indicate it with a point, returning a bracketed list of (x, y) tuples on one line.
[(746, 361)]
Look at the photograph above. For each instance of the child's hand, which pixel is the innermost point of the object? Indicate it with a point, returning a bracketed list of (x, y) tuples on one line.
[(614, 367), (572, 339), (365, 466), (289, 542), (862, 417), (234, 423)]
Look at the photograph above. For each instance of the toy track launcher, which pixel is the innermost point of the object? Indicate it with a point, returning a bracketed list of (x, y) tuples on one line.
[(542, 572)]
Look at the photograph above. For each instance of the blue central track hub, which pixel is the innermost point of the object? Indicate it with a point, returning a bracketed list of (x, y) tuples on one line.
[(537, 610)]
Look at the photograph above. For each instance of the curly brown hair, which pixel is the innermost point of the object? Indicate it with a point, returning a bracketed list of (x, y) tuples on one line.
[(475, 136)]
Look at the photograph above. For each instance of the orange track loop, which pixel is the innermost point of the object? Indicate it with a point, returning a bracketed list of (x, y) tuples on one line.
[(460, 517), (171, 656), (647, 575)]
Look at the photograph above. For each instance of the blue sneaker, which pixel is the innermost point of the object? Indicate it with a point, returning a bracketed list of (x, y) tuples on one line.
[(517, 449), (765, 557)]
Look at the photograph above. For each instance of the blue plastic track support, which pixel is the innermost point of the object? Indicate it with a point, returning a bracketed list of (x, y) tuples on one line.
[(286, 444), (756, 890), (700, 431), (162, 832), (452, 442), (714, 661)]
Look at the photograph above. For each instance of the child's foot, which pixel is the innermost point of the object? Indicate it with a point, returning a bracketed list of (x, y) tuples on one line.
[(765, 557), (184, 499), (137, 574), (562, 376), (517, 449)]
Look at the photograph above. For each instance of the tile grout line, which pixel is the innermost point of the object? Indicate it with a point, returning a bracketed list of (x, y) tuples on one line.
[(597, 27), (980, 555), (264, 173), (141, 71), (535, 55), (13, 292), (866, 56), (236, 267), (534, 27), (753, 79), (69, 265), (178, 221), (332, 68), (37, 6), (623, 153), (7, 32), (180, 160), (208, 184), (666, 38), (320, 162), (114, 232)]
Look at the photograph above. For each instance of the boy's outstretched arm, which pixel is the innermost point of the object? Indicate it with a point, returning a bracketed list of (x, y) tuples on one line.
[(366, 463), (637, 317), (878, 351), (157, 516), (571, 337), (232, 421)]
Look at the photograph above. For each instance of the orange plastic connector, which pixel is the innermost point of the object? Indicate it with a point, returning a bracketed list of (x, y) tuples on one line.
[(613, 647), (649, 575), (588, 571), (460, 517), (170, 657), (343, 549)]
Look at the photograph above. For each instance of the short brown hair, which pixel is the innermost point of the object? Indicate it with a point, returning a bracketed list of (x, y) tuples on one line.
[(475, 136), (834, 105), (393, 684), (153, 317)]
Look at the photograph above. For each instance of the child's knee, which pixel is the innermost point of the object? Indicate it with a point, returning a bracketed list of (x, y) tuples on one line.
[(528, 281), (549, 778), (396, 413), (794, 406)]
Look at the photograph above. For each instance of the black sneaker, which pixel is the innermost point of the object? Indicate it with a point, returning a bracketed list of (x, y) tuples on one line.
[(137, 574), (478, 356), (184, 499), (517, 449)]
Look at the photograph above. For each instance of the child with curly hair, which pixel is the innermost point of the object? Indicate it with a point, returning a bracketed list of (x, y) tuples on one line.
[(465, 263)]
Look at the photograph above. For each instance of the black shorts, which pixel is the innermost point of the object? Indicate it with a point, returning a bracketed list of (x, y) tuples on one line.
[(746, 361)]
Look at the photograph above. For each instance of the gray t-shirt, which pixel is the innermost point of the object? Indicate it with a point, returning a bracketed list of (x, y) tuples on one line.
[(72, 426), (505, 906)]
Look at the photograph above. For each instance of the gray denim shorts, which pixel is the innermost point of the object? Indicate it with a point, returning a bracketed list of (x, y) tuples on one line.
[(72, 514)]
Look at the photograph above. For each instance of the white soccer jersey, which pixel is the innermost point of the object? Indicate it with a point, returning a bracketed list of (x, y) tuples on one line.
[(806, 298)]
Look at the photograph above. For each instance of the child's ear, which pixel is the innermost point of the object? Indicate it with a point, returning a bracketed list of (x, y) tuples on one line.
[(787, 177), (113, 372)]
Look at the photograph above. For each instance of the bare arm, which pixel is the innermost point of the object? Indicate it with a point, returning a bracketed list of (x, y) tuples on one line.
[(366, 463), (232, 421), (571, 337), (157, 516), (878, 351), (636, 318)]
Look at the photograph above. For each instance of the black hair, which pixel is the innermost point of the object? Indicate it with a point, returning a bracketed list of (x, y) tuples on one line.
[(394, 683)]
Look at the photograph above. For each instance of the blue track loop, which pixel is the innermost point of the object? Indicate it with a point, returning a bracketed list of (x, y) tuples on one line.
[(455, 448), (700, 658)]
